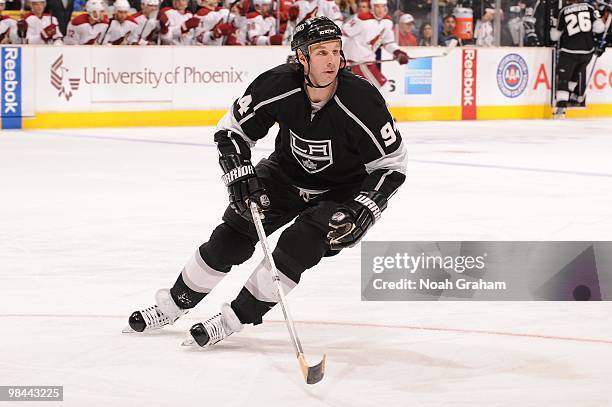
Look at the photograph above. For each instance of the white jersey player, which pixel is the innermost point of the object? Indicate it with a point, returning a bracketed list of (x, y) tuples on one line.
[(269, 37), (307, 9), (148, 24), (88, 28), (8, 27), (41, 27), (253, 28), (329, 9), (215, 23), (364, 35), (122, 30), (177, 24)]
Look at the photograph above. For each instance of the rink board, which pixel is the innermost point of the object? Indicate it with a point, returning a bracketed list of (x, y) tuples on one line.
[(71, 86)]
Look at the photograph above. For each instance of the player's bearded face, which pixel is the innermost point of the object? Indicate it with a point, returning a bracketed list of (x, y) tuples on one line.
[(325, 61)]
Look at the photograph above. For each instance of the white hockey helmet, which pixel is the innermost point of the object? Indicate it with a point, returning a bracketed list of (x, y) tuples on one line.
[(95, 9), (151, 3), (38, 1), (262, 2), (121, 5), (375, 2)]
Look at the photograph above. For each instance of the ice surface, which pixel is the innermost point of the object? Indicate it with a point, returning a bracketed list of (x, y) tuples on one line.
[(93, 222)]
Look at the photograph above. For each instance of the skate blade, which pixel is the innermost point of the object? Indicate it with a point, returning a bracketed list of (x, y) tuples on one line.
[(128, 330)]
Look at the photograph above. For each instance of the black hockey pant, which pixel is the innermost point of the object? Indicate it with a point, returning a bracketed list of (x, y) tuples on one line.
[(571, 69), (300, 246)]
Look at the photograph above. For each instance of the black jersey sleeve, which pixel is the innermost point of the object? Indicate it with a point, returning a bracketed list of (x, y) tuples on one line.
[(251, 116), (379, 144)]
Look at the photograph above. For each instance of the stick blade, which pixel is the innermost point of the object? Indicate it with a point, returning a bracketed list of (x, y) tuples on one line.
[(312, 374)]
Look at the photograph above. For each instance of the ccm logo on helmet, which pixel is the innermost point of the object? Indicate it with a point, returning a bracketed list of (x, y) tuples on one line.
[(328, 31)]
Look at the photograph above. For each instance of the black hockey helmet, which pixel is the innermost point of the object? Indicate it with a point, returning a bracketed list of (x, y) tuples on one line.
[(312, 31)]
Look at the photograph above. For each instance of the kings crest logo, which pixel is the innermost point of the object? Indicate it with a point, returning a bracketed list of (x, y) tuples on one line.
[(60, 80), (313, 155)]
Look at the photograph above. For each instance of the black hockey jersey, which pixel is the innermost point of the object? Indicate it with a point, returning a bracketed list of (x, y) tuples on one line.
[(577, 24), (351, 140)]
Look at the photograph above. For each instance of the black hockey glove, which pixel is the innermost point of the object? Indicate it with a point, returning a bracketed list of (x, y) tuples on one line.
[(243, 185), (352, 219)]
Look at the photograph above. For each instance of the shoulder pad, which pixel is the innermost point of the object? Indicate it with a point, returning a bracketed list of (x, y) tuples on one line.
[(82, 19)]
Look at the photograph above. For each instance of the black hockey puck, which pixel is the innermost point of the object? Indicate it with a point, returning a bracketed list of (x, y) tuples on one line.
[(582, 293), (199, 334), (137, 322)]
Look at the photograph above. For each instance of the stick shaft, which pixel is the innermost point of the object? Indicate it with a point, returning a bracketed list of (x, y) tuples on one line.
[(272, 268)]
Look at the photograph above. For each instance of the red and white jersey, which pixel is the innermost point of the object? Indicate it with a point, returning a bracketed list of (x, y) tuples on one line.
[(175, 36), (81, 32), (148, 28), (8, 31), (308, 9), (35, 27), (269, 28), (364, 35), (253, 28), (125, 33), (209, 19), (329, 9)]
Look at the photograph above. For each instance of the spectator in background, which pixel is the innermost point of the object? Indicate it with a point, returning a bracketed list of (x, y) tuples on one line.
[(483, 33), (406, 31), (425, 35), (62, 10), (448, 27)]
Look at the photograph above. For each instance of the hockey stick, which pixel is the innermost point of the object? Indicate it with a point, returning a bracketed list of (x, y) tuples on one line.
[(604, 39), (452, 45), (105, 32), (312, 374)]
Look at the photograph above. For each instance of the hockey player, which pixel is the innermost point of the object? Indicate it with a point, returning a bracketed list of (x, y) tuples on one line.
[(329, 9), (148, 24), (88, 29), (365, 34), (338, 160), (123, 29), (264, 7), (577, 24), (215, 23), (252, 28), (178, 24), (41, 27), (8, 27)]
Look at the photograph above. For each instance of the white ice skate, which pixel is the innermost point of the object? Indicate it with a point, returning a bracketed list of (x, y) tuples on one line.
[(164, 312), (214, 329)]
